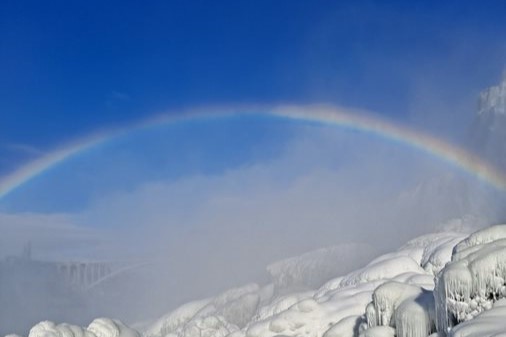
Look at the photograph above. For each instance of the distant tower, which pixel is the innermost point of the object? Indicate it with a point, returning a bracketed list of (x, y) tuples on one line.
[(27, 251)]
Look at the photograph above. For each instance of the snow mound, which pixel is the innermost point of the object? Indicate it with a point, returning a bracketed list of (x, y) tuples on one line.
[(383, 269), (312, 269), (378, 331), (400, 283), (391, 295), (221, 316), (168, 323), (100, 327), (484, 236)]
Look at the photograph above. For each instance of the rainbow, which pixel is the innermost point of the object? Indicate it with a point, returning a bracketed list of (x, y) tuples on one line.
[(325, 115)]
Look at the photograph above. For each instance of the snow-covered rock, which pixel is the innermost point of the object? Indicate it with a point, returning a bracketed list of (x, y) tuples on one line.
[(170, 322), (378, 331), (392, 287), (100, 327)]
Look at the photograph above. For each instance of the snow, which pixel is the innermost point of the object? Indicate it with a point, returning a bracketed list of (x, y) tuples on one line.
[(393, 295), (100, 327), (312, 269), (484, 236), (387, 297), (474, 279), (438, 251), (220, 316), (383, 269), (168, 323), (487, 324), (415, 316), (378, 331)]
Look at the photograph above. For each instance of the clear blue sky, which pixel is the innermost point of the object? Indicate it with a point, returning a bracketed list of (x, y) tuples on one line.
[(68, 68)]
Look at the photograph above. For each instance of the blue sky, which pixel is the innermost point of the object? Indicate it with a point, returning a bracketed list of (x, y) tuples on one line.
[(68, 69), (71, 67)]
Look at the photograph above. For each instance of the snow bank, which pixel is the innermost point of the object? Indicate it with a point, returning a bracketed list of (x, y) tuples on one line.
[(100, 327), (484, 236), (393, 292), (170, 322), (339, 314), (378, 331), (312, 269), (225, 314), (384, 269)]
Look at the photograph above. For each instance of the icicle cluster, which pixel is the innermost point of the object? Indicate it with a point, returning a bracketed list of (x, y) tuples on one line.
[(408, 309), (474, 279)]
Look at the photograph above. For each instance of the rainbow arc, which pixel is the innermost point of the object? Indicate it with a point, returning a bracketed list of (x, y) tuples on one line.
[(324, 115)]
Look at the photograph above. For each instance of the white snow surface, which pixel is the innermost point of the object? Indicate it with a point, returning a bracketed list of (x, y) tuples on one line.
[(100, 327), (312, 269), (393, 295)]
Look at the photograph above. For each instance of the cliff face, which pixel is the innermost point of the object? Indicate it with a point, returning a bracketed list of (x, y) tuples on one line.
[(489, 129)]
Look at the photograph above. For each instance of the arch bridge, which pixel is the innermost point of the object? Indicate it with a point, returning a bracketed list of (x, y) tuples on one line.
[(85, 275)]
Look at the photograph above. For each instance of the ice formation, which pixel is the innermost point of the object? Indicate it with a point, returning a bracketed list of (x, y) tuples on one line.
[(491, 323), (400, 282), (474, 279), (387, 298), (415, 316), (101, 327), (394, 295)]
